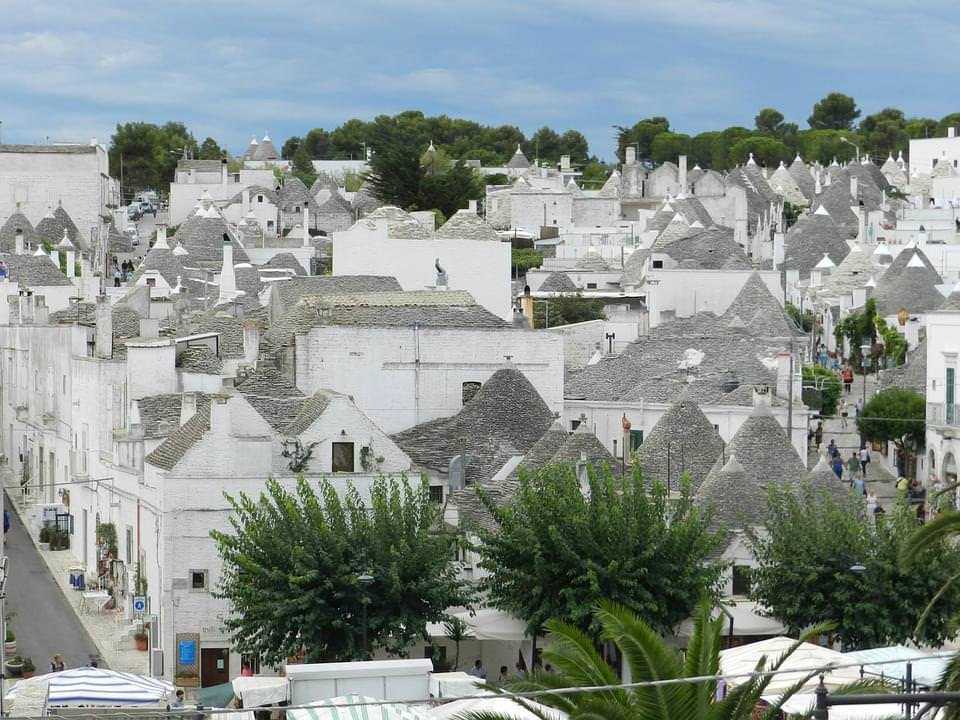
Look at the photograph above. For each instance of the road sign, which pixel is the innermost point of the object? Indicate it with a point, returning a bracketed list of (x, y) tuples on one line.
[(139, 604)]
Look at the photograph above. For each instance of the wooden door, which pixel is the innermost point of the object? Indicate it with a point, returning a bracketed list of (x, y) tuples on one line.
[(214, 666)]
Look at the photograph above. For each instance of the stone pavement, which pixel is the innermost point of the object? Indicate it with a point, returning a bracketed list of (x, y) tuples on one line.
[(110, 631), (882, 483)]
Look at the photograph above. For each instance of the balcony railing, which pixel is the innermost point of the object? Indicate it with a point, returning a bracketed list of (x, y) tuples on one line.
[(943, 414)]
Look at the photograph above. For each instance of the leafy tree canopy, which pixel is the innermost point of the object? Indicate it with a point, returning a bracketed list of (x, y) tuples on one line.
[(210, 150), (834, 112), (896, 415), (821, 560), (884, 131), (558, 548), (148, 154), (292, 560), (567, 309), (766, 151), (669, 146), (641, 136)]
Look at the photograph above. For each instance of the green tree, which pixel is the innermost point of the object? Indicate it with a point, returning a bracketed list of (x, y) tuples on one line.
[(895, 345), (817, 559), (766, 151), (544, 145), (557, 548), (292, 561), (574, 144), (578, 663), (821, 389), (918, 128), (769, 121), (567, 309), (641, 136), (951, 120), (524, 259), (825, 145), (302, 167), (668, 146), (595, 174), (896, 415), (210, 150), (834, 112), (147, 154), (858, 328), (726, 140), (884, 132), (349, 140), (290, 147), (317, 144), (701, 149), (805, 322)]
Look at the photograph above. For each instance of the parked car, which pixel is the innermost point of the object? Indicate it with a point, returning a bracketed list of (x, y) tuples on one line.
[(147, 208), (133, 233), (134, 212)]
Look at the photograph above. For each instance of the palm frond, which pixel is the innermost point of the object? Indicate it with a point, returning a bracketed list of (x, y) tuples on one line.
[(930, 534), (944, 589), (573, 654)]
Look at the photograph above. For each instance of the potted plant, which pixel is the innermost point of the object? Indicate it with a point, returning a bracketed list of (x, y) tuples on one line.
[(45, 535), (142, 639), (15, 666), (10, 644), (28, 668), (59, 540)]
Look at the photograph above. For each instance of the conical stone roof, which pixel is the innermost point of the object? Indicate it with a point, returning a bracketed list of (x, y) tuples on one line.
[(583, 446), (810, 237), (8, 233), (519, 160), (913, 288), (800, 173), (682, 441), (756, 309), (545, 448), (766, 458), (467, 225), (558, 282)]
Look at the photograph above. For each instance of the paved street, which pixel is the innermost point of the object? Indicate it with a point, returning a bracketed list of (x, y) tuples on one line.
[(44, 623)]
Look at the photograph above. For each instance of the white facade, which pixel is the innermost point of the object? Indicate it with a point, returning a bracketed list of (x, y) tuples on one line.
[(481, 267), (943, 404), (38, 177), (404, 376), (926, 153)]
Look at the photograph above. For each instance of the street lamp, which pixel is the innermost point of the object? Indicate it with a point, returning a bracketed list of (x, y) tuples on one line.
[(364, 579), (855, 146)]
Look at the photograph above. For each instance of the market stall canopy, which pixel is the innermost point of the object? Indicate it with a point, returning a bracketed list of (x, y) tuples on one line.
[(926, 670), (455, 684), (100, 687), (748, 619), (258, 691), (501, 706), (354, 707), (486, 624), (742, 660), (215, 696), (804, 703)]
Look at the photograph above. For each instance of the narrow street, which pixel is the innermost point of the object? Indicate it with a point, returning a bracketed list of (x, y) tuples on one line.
[(43, 621)]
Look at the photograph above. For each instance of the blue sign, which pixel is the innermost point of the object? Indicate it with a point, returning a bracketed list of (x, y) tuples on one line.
[(187, 652), (139, 604)]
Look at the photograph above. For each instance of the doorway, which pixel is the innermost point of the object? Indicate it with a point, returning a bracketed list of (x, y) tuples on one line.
[(214, 666)]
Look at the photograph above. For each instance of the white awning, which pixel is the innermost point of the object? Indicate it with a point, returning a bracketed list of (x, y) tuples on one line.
[(742, 660), (100, 687), (747, 620), (367, 709), (257, 691), (503, 707), (486, 624)]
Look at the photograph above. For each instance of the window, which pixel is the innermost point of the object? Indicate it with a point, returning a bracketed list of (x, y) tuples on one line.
[(591, 286), (198, 579), (658, 264), (259, 198), (296, 209), (342, 457), (951, 373), (129, 545), (636, 440), (468, 390), (269, 224), (574, 424), (436, 494), (741, 580), (151, 282)]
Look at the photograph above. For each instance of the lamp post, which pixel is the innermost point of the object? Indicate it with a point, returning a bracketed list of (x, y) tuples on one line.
[(364, 579), (855, 146)]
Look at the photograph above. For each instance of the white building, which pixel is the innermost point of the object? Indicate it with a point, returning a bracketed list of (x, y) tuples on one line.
[(38, 178)]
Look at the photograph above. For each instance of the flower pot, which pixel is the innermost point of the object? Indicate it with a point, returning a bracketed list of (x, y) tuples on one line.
[(28, 673), (141, 643), (10, 648), (14, 669)]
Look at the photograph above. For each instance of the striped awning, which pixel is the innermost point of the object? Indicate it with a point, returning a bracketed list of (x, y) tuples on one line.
[(354, 707), (98, 686)]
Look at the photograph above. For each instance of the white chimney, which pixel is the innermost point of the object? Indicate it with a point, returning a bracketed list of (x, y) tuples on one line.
[(565, 163), (228, 279), (18, 242), (306, 226), (161, 236), (631, 156), (682, 174), (472, 206), (41, 313), (778, 246), (26, 307), (859, 296), (245, 201), (223, 175), (219, 415), (188, 407), (14, 309), (251, 341), (103, 337), (951, 132), (854, 188), (150, 327), (71, 263)]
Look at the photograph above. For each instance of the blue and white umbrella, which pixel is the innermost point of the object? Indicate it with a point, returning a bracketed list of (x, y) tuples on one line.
[(97, 686)]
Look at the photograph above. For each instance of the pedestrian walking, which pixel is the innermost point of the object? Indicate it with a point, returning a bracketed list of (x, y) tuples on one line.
[(56, 664), (818, 433), (864, 461), (853, 466), (832, 450), (847, 379), (859, 487), (116, 277), (838, 466), (844, 412)]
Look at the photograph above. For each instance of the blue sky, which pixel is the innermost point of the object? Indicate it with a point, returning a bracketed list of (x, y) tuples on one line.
[(230, 68)]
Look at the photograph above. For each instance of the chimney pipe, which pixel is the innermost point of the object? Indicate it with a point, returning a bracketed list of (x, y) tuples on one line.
[(103, 338), (228, 279), (18, 242), (306, 225), (682, 174), (41, 313), (14, 310), (951, 132), (631, 157), (188, 407), (251, 341)]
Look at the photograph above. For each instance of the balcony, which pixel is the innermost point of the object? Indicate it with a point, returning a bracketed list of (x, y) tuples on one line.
[(943, 414)]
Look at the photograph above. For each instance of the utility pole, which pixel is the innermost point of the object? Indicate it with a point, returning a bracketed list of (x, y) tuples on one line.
[(790, 398)]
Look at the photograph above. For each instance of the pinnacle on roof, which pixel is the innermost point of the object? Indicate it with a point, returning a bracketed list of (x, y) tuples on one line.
[(40, 252), (821, 210), (798, 159), (825, 263), (65, 243), (583, 446), (750, 160), (519, 160), (180, 250)]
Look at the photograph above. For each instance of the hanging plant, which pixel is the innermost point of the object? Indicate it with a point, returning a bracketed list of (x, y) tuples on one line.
[(298, 453)]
